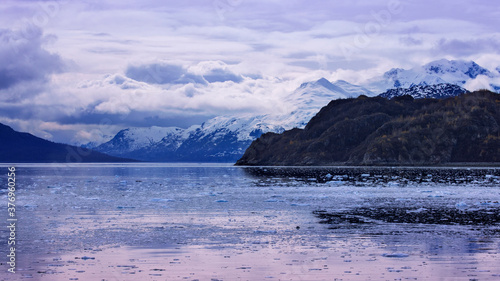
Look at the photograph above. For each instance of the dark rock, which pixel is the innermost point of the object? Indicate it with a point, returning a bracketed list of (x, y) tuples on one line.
[(429, 215)]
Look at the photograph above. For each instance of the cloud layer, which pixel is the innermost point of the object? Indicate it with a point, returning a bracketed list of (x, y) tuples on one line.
[(165, 73)]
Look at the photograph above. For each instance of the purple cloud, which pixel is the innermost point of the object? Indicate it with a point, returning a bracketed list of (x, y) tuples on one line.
[(162, 73), (467, 47), (24, 60), (158, 73)]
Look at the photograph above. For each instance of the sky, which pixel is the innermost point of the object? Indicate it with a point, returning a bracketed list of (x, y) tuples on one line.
[(80, 71)]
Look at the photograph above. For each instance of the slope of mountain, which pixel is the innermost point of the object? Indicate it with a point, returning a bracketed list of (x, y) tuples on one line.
[(131, 139), (455, 72), (377, 131), (439, 91), (352, 90), (306, 100), (220, 139), (17, 147), (225, 138)]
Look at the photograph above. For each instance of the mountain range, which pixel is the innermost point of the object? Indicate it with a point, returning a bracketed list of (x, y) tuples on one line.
[(456, 72), (17, 147), (225, 138)]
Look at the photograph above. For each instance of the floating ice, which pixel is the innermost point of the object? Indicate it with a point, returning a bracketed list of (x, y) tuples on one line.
[(87, 258), (265, 231), (30, 206), (161, 200), (419, 210), (336, 182), (395, 255), (489, 203)]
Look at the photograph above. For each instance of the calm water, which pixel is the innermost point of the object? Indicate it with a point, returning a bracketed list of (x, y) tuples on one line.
[(218, 222)]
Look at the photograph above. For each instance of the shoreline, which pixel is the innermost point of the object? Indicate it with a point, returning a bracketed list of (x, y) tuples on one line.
[(384, 165)]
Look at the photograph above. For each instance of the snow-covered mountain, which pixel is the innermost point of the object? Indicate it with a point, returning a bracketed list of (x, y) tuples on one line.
[(439, 91), (131, 139), (457, 72), (225, 138)]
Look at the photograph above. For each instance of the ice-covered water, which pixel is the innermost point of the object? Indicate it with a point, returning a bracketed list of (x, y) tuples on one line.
[(218, 222)]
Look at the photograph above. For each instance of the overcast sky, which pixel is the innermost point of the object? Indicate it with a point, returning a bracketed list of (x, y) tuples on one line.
[(72, 71)]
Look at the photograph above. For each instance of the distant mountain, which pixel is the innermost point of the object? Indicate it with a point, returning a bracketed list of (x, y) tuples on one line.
[(455, 72), (439, 91), (16, 147), (131, 139), (225, 138), (220, 139), (378, 131)]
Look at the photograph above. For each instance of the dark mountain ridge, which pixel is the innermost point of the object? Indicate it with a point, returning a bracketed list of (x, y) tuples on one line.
[(438, 91), (17, 147), (378, 131)]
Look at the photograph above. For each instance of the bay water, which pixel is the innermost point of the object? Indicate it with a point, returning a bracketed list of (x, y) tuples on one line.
[(152, 221)]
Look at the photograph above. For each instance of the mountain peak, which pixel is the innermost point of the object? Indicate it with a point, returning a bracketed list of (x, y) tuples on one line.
[(457, 72), (469, 68), (393, 72), (323, 82)]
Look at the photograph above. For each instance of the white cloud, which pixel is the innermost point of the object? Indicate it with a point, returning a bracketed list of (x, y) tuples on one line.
[(481, 82)]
